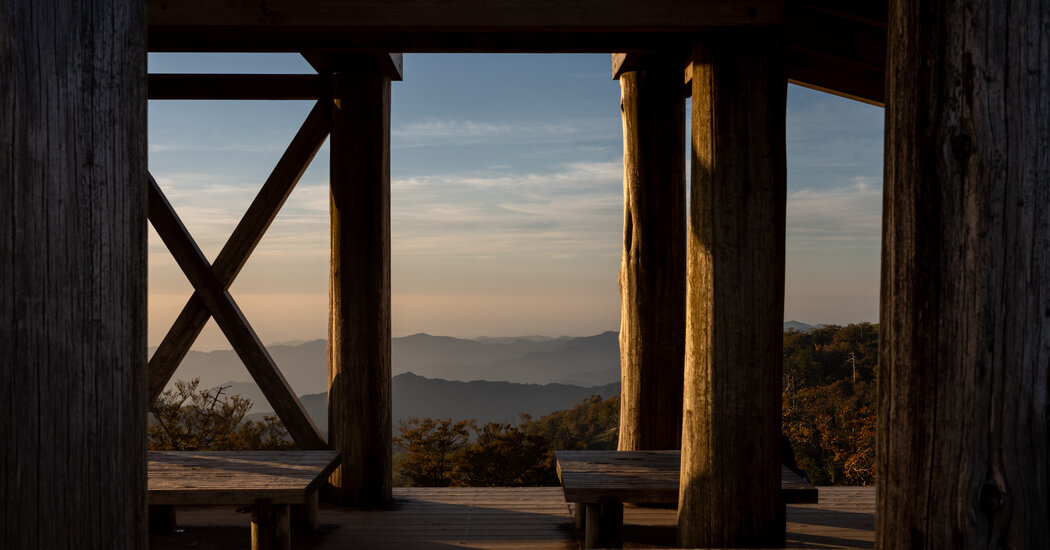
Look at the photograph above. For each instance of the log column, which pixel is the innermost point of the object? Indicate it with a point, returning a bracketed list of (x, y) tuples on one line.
[(359, 406), (730, 489), (73, 274), (652, 271), (964, 351)]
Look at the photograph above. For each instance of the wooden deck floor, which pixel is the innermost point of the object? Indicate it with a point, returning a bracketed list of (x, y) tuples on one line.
[(501, 518)]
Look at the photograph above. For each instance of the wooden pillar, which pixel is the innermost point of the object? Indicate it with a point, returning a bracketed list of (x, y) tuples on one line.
[(730, 489), (73, 274), (964, 351), (652, 271), (359, 406), (271, 526)]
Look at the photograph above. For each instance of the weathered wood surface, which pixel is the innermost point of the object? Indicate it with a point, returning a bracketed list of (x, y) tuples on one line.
[(734, 329), (643, 476), (232, 322), (239, 246), (598, 26), (72, 274), (832, 46), (652, 268), (236, 86), (187, 478), (964, 351), (359, 386), (505, 518), (271, 529)]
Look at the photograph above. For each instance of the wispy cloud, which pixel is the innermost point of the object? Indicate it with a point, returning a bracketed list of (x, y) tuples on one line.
[(464, 132), (572, 211), (850, 214)]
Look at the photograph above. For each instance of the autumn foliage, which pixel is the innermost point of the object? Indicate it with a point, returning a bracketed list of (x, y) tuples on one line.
[(185, 418), (829, 402)]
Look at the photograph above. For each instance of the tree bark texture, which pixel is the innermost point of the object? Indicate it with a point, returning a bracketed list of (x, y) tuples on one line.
[(73, 274), (730, 490), (963, 434), (652, 270), (359, 402)]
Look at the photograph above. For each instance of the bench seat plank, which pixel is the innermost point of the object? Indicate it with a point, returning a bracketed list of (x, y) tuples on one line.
[(643, 477), (187, 478)]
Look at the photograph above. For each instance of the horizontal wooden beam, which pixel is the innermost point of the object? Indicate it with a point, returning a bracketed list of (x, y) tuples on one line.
[(837, 76), (834, 46), (236, 86), (834, 76), (390, 64), (449, 26)]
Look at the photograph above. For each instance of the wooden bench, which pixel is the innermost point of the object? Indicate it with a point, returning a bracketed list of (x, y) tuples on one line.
[(601, 481), (268, 481)]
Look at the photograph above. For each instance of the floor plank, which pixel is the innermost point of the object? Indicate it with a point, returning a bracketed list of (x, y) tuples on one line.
[(510, 519)]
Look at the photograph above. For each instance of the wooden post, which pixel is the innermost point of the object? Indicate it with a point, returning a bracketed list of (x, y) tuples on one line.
[(73, 274), (271, 528), (359, 406), (592, 524), (307, 516), (652, 271), (730, 488), (964, 351)]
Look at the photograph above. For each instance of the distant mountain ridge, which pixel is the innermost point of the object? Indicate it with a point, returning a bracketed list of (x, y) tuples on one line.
[(580, 361), (416, 396), (593, 360)]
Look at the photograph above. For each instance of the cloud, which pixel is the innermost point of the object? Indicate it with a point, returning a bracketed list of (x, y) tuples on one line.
[(465, 132), (843, 215), (572, 211)]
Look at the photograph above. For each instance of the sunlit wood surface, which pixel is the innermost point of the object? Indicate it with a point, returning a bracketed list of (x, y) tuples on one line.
[(510, 519)]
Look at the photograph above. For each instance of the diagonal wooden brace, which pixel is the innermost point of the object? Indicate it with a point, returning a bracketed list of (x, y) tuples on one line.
[(232, 322), (239, 247)]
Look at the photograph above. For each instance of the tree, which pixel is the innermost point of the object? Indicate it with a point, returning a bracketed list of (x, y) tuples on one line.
[(188, 419), (185, 419), (505, 456), (430, 445)]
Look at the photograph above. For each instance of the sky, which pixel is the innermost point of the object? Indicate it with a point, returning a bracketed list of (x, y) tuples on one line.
[(506, 199)]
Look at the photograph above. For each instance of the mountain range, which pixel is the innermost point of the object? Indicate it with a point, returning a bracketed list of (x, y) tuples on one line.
[(584, 361), (507, 376), (417, 397)]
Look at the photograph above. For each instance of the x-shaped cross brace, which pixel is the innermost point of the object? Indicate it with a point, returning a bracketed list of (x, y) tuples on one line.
[(210, 282)]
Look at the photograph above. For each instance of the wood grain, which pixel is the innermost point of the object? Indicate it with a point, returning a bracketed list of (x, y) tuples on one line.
[(72, 274), (652, 268), (643, 477), (239, 246), (271, 528), (964, 350), (189, 478), (232, 322), (359, 386), (462, 25), (535, 518), (733, 373)]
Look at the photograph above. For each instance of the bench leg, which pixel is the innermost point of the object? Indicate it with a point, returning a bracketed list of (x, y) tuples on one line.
[(270, 526), (162, 519), (306, 517), (612, 524), (579, 516), (591, 535)]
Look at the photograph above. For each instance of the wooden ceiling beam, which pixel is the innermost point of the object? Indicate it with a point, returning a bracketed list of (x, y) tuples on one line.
[(236, 86), (835, 46), (449, 26), (390, 64)]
